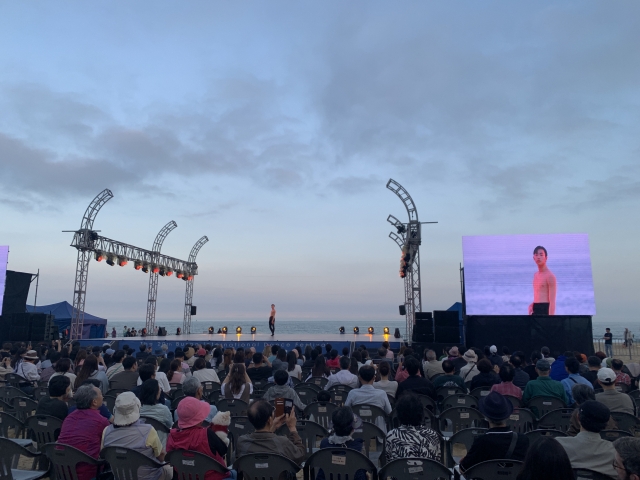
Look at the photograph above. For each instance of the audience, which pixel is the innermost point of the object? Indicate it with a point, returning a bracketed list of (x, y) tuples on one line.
[(344, 424), (507, 373), (82, 429), (594, 366), (412, 438), (520, 377), (344, 376), (237, 385), (572, 366), (264, 440), (587, 449), (543, 385), (388, 386), (127, 379), (63, 368), (614, 400), (282, 390), (470, 370), (581, 393), (622, 379), (531, 368), (89, 371), (117, 366), (414, 382), (499, 442), (149, 398), (293, 369), (204, 374), (56, 403), (449, 379), (546, 460), (486, 376), (191, 387), (259, 370), (430, 365), (627, 463)]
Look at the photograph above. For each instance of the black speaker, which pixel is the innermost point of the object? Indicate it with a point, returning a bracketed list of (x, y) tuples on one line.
[(162, 332), (422, 337), (402, 309), (423, 316), (423, 326), (447, 334), (193, 309), (446, 318)]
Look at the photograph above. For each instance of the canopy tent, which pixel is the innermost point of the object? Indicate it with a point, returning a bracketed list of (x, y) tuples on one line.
[(94, 327)]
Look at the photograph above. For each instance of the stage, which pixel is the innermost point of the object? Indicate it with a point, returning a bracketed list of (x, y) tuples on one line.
[(247, 340)]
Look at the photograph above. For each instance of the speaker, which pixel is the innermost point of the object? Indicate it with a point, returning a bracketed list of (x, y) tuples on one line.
[(402, 309), (33, 327), (193, 309), (446, 318), (423, 326), (447, 334), (422, 337), (162, 332), (423, 316)]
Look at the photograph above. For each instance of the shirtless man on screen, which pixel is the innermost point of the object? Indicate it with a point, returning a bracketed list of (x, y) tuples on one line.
[(272, 320), (544, 286)]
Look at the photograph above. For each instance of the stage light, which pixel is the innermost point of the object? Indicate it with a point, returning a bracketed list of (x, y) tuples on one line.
[(145, 267), (397, 333), (370, 330), (254, 329), (224, 330), (162, 272), (155, 268), (122, 261), (386, 330), (99, 256), (190, 277), (238, 330), (341, 329), (111, 260), (401, 229), (137, 265), (179, 274), (169, 272), (405, 260), (210, 330), (356, 330)]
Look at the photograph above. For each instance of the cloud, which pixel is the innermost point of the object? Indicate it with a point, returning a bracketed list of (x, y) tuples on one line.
[(355, 185)]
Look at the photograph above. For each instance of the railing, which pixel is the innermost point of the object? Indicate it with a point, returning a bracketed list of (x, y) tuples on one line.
[(620, 350)]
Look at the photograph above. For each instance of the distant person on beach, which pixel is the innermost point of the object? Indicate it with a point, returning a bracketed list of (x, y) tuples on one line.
[(272, 320), (544, 286), (608, 343)]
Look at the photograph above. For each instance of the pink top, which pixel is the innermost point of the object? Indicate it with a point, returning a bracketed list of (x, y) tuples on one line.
[(507, 388)]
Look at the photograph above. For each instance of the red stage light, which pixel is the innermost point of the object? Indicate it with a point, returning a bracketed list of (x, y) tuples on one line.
[(180, 275), (122, 262), (169, 272), (139, 266), (190, 277), (155, 269)]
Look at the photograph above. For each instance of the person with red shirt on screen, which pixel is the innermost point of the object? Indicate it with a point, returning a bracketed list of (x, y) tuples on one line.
[(544, 286)]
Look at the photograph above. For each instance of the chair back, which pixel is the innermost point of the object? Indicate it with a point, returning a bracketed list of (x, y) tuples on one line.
[(310, 432), (392, 400), (114, 392), (371, 414), (414, 469), (494, 469), (460, 400), (11, 452), (125, 462), (40, 392), (238, 408), (444, 392), (370, 433), (515, 401), (542, 405), (176, 400), (586, 474), (613, 435), (480, 392), (338, 463), (465, 437), (65, 458), (264, 466), (240, 426), (455, 419), (24, 407), (627, 422), (190, 465), (15, 380), (427, 402), (307, 393), (559, 419), (208, 387), (318, 381), (634, 394), (521, 420), (6, 407), (320, 412), (156, 424), (296, 381), (533, 435), (45, 428), (7, 422), (339, 394), (7, 393)]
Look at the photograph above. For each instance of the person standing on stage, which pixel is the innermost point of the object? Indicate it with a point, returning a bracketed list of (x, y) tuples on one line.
[(272, 320), (544, 286)]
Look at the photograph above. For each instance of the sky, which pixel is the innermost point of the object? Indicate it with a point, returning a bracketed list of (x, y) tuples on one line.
[(273, 127)]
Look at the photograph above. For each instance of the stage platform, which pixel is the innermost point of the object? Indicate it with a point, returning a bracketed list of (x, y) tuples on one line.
[(247, 340)]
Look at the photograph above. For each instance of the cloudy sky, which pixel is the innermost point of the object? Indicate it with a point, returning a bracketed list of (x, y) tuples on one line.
[(273, 127)]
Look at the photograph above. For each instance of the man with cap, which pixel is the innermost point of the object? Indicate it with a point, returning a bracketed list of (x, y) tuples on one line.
[(499, 442), (614, 400), (494, 358), (543, 386), (470, 370), (587, 449), (128, 431), (458, 361), (627, 462)]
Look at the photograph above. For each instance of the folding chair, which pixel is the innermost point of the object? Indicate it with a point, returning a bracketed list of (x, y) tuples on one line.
[(559, 419), (9, 422), (460, 400), (264, 466), (542, 405), (45, 429), (627, 422), (455, 419), (480, 392), (464, 437), (515, 401), (190, 465), (444, 392), (40, 392), (125, 462), (427, 402), (319, 381), (310, 432), (533, 435), (307, 393), (339, 394), (11, 453), (521, 420), (613, 435), (65, 458), (492, 469), (320, 412), (24, 407), (414, 469), (238, 408), (372, 414), (371, 434), (338, 463)]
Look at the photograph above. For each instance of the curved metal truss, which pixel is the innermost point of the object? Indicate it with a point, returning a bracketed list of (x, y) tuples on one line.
[(188, 296), (400, 191), (86, 238), (397, 238), (150, 322)]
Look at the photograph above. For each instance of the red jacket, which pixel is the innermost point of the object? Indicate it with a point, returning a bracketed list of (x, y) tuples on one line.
[(195, 439)]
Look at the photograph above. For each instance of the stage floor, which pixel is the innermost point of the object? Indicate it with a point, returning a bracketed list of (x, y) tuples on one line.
[(246, 340)]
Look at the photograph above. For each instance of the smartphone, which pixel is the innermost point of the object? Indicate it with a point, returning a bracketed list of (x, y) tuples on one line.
[(288, 406), (279, 403)]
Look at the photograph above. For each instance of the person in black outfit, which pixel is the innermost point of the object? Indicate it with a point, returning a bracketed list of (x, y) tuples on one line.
[(259, 370), (592, 375), (499, 442), (56, 403), (419, 385), (487, 377), (142, 354), (531, 368), (521, 378)]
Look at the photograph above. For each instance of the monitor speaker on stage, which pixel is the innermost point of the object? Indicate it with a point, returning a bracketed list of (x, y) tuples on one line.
[(447, 334), (446, 318), (193, 309), (162, 332), (421, 316), (402, 309)]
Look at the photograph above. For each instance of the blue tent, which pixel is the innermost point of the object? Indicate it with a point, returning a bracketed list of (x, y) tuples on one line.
[(94, 327)]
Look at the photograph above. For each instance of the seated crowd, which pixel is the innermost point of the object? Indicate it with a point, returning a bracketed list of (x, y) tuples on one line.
[(187, 392)]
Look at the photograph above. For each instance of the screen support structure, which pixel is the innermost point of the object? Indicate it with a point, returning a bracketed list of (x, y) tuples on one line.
[(412, 237), (153, 277), (188, 296)]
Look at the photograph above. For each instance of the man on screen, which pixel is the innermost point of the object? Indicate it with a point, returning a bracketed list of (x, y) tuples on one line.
[(544, 286)]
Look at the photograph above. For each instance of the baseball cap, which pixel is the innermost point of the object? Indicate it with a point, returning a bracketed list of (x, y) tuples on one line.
[(606, 376)]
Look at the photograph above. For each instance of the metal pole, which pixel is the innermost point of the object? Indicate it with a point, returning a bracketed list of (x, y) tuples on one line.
[(35, 300)]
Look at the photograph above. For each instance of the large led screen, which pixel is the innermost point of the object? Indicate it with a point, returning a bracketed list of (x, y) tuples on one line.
[(4, 257), (528, 275)]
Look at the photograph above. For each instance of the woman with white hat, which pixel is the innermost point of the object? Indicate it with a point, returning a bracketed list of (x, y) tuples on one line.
[(27, 369), (470, 370)]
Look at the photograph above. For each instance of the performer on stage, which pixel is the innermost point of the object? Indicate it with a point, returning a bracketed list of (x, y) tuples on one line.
[(544, 286), (272, 320)]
